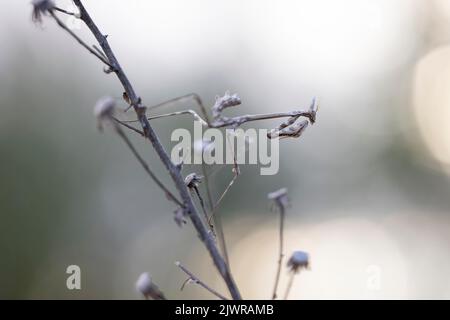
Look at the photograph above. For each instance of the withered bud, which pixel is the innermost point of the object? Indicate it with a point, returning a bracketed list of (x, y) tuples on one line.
[(145, 286), (294, 131), (226, 101), (280, 198), (201, 146), (104, 110), (126, 97), (288, 122), (40, 8), (180, 217), (192, 180), (287, 130), (314, 107), (298, 261)]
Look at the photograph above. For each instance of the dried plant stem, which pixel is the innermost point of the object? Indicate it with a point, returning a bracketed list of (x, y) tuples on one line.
[(237, 121), (80, 41), (173, 169), (280, 254), (122, 123), (64, 11), (146, 167), (236, 173), (289, 286), (198, 281), (216, 221), (222, 196), (191, 112), (205, 212), (191, 96)]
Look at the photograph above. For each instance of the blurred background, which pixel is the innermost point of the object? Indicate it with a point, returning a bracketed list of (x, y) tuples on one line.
[(369, 183)]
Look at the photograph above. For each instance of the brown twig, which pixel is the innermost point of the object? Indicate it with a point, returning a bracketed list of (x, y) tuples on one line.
[(198, 281)]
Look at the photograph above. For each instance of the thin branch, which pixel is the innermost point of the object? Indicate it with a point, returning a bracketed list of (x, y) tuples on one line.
[(80, 41), (239, 120), (289, 286), (236, 173), (280, 253), (222, 196), (146, 166), (198, 281), (177, 113), (100, 51), (191, 96), (216, 220), (207, 187), (281, 201), (123, 123), (172, 168), (205, 212), (65, 11), (185, 282)]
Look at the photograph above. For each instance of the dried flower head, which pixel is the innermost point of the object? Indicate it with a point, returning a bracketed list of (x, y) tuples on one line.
[(41, 7), (201, 146), (192, 180), (104, 110), (226, 101), (145, 286), (288, 129), (294, 131), (299, 260), (314, 107), (280, 197), (180, 216), (126, 97)]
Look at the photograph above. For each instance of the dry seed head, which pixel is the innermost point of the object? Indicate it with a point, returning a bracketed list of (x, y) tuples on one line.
[(280, 197), (294, 131), (299, 260), (226, 101), (288, 129), (104, 110), (192, 180), (41, 7), (145, 286), (314, 107), (180, 217)]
